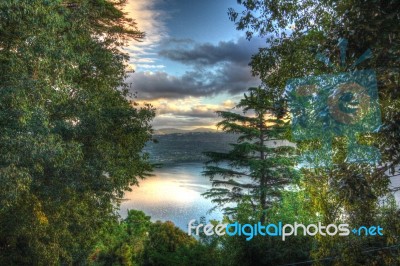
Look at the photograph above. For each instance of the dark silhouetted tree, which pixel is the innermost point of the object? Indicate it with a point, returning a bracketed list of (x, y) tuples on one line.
[(260, 164)]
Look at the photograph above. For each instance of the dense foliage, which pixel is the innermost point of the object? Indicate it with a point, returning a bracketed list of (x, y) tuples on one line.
[(138, 241), (304, 39), (70, 141)]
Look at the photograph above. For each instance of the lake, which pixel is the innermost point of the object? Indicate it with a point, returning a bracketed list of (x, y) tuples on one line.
[(172, 194)]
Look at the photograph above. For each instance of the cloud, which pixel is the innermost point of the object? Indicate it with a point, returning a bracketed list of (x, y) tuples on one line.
[(183, 100), (152, 66), (212, 69), (188, 112), (172, 42), (159, 84), (195, 111), (163, 121), (150, 20), (207, 54), (189, 107)]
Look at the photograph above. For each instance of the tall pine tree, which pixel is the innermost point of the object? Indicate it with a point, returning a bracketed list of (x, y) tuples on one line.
[(260, 164)]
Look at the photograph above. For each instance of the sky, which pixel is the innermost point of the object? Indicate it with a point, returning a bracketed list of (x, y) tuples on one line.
[(192, 61)]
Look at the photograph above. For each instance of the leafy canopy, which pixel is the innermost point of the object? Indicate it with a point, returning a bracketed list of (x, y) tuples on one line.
[(70, 142)]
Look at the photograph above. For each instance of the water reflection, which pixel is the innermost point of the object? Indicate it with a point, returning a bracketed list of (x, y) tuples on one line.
[(173, 194)]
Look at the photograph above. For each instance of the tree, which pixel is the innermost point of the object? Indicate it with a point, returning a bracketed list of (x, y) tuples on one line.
[(268, 250), (259, 165), (295, 32), (70, 141), (165, 245), (137, 241), (122, 243)]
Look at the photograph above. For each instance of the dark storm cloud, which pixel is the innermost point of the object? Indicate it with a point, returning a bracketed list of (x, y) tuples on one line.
[(208, 54), (162, 85), (214, 69), (159, 84), (173, 41)]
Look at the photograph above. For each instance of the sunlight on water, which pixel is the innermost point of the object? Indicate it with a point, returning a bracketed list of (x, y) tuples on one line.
[(173, 194)]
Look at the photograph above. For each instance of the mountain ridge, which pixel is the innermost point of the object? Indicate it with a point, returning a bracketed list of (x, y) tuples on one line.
[(171, 130)]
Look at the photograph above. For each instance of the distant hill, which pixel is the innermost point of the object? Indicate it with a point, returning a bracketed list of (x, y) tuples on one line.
[(170, 130), (187, 146)]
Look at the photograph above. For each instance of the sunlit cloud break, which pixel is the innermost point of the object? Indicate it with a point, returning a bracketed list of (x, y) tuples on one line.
[(190, 112)]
